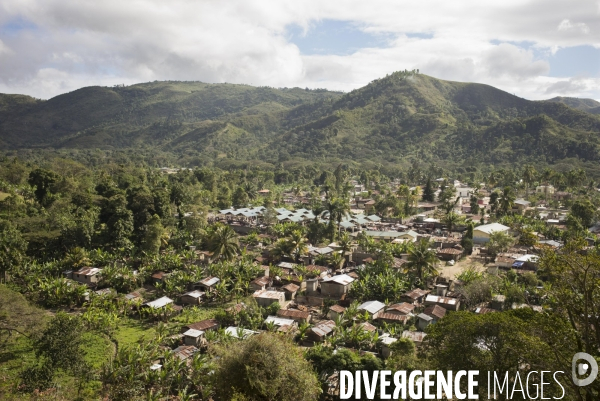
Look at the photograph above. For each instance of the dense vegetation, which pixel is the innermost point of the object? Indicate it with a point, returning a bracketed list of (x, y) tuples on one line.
[(390, 123)]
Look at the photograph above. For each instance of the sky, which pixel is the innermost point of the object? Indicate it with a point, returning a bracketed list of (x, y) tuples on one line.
[(536, 49)]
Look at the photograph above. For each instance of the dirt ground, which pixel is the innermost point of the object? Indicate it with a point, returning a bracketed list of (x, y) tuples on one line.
[(451, 272)]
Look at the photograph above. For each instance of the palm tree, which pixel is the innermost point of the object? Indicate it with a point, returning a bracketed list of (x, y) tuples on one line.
[(223, 242), (506, 200), (528, 176), (297, 244), (337, 260), (451, 220), (338, 209), (422, 260)]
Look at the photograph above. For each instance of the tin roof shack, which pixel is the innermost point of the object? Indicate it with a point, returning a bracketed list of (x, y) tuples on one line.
[(415, 336), (335, 311), (373, 308), (159, 303), (159, 277), (281, 323), (445, 302), (423, 321), (499, 302), (296, 315), (192, 298), (393, 318), (449, 254), (386, 350), (290, 290), (203, 325), (185, 352), (414, 296), (207, 284), (319, 332), (526, 262), (238, 332), (336, 286), (134, 296), (265, 298), (88, 275), (260, 283), (193, 337)]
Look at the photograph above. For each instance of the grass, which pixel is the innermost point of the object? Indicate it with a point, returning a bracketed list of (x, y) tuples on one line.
[(133, 331)]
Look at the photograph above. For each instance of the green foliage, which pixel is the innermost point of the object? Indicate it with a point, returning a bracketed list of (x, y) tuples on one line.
[(265, 366)]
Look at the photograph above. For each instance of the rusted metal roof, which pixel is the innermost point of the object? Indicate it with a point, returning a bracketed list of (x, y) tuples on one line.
[(324, 328), (88, 271), (415, 336), (368, 326), (261, 281), (291, 287), (203, 325), (404, 308), (450, 251), (269, 294), (183, 352), (293, 314), (393, 316), (415, 293), (440, 300), (337, 309), (435, 311)]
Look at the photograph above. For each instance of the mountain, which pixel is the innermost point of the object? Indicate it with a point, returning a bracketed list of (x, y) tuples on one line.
[(589, 105), (393, 121)]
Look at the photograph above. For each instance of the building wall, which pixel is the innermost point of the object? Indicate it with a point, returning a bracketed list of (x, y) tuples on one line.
[(332, 289)]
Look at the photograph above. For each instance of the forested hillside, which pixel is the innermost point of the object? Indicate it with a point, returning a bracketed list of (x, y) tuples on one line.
[(393, 121)]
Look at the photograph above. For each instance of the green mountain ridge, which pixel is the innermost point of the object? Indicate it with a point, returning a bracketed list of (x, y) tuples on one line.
[(402, 118)]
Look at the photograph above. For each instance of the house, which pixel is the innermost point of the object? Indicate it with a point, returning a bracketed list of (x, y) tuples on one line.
[(423, 321), (133, 296), (393, 317), (260, 283), (318, 271), (207, 284), (445, 302), (335, 311), (296, 315), (336, 286), (319, 332), (449, 254), (203, 325), (482, 310), (526, 262), (544, 189), (436, 312), (415, 336), (366, 326), (280, 322), (521, 204), (481, 234), (499, 302), (403, 308), (159, 303), (159, 277), (184, 352), (192, 298), (88, 275), (414, 296), (373, 308), (238, 332), (290, 290), (265, 298), (386, 350), (193, 337)]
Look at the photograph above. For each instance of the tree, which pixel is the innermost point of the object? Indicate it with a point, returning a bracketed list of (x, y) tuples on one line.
[(506, 200), (499, 242), (153, 235), (585, 211), (451, 220), (240, 198), (422, 260), (428, 191), (223, 242), (12, 248), (42, 180), (264, 367), (338, 209), (473, 202), (118, 220)]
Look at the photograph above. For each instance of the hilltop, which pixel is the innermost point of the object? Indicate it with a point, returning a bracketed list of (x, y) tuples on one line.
[(394, 120)]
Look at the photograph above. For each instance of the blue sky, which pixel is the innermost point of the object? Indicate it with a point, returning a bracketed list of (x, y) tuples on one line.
[(533, 48)]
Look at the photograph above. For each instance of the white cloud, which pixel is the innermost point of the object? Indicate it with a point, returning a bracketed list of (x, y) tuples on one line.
[(66, 44)]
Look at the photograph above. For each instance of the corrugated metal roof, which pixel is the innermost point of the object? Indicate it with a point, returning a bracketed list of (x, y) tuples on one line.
[(404, 308), (435, 311), (193, 333), (337, 309), (194, 294), (279, 321), (183, 352), (440, 300), (88, 271), (233, 331), (324, 328), (372, 306), (209, 281), (159, 303), (203, 325), (342, 279), (415, 336), (393, 316), (493, 227), (269, 294), (293, 314)]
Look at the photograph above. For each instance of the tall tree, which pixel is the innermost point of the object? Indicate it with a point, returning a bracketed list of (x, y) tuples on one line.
[(428, 191), (422, 260), (12, 248), (223, 242)]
